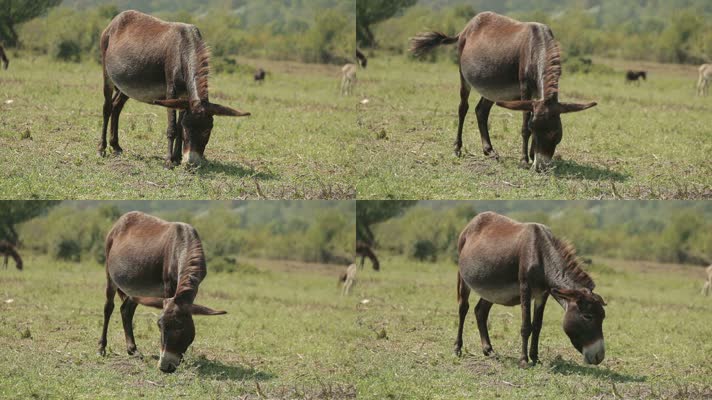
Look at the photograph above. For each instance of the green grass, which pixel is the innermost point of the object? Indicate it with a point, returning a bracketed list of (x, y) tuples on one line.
[(298, 143), (291, 334), (651, 141)]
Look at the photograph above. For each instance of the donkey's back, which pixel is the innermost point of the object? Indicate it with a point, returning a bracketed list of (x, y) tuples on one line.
[(140, 247), (138, 49)]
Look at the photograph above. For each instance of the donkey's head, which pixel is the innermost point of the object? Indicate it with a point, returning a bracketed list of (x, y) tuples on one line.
[(177, 329), (583, 322), (196, 123), (545, 125)]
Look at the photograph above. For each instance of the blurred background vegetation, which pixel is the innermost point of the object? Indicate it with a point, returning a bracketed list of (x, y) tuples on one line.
[(312, 31), (671, 31), (308, 231), (661, 231)]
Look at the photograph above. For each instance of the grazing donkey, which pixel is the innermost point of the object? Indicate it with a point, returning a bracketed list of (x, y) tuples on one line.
[(163, 63), (364, 250), (705, 76), (348, 73), (517, 65), (708, 281), (3, 58), (348, 278), (510, 263), (260, 75), (634, 76), (8, 250), (158, 264)]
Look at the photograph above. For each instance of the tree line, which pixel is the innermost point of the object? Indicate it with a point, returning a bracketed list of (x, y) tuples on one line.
[(675, 31), (315, 31), (676, 232), (314, 231)]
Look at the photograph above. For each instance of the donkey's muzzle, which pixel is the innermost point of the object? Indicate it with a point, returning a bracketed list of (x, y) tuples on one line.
[(594, 353), (168, 362)]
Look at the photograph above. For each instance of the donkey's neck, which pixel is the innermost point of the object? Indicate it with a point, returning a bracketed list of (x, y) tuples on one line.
[(545, 67), (191, 269), (562, 270), (195, 60)]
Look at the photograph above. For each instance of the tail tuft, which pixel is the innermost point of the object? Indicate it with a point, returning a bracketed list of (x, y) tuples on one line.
[(426, 41)]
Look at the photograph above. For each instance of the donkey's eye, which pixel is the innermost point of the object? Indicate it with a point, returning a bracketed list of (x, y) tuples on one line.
[(588, 317)]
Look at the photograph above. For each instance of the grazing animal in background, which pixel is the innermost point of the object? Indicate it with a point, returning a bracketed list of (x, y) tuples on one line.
[(703, 81), (348, 73), (3, 58), (517, 65), (708, 282), (158, 264), (364, 250), (510, 263), (348, 278), (260, 75), (634, 76), (7, 249), (162, 63)]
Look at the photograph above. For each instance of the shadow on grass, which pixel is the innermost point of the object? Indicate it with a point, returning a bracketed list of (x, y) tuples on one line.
[(564, 367), (236, 170), (572, 169), (220, 371)]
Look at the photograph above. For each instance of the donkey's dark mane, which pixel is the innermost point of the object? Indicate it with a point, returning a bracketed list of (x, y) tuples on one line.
[(552, 73), (202, 54), (193, 271), (572, 266)]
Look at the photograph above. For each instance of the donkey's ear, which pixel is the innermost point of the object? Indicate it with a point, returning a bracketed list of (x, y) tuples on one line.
[(564, 108), (176, 104), (197, 309), (518, 105), (217, 109)]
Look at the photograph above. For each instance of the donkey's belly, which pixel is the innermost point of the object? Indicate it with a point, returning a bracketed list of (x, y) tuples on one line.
[(492, 278), (505, 294), (136, 277), (492, 75)]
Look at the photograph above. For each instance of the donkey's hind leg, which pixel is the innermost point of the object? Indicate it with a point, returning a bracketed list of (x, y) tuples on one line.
[(482, 310), (462, 113), (463, 299), (117, 105), (108, 107), (706, 288), (483, 110), (108, 309), (128, 307)]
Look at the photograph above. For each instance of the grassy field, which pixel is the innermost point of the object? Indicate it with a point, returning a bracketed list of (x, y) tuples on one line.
[(650, 141), (298, 143), (289, 334)]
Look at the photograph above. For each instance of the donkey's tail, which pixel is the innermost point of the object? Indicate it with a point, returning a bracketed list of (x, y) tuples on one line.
[(426, 41)]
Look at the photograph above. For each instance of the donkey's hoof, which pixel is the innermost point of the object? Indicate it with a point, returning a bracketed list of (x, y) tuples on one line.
[(523, 363), (458, 151), (458, 351), (102, 352), (169, 164), (491, 153), (117, 151), (488, 351), (524, 164), (101, 153)]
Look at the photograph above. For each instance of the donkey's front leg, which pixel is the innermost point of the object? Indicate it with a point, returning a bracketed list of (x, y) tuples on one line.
[(537, 323), (525, 296), (526, 133), (171, 130)]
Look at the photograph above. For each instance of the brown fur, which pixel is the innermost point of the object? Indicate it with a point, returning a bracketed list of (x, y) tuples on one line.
[(510, 263), (516, 65), (3, 58), (7, 249), (158, 264)]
